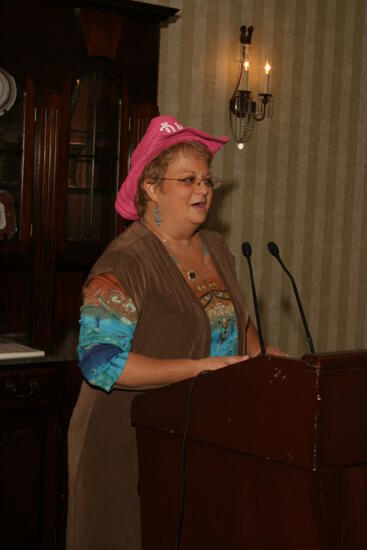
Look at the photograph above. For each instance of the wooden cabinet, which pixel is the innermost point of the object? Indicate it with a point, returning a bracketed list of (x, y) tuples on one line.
[(86, 77), (34, 410), (86, 82)]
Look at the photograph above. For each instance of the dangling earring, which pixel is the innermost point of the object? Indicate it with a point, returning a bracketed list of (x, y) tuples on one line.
[(157, 215)]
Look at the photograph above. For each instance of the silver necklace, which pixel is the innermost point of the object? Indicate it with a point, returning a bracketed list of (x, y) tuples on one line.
[(191, 274)]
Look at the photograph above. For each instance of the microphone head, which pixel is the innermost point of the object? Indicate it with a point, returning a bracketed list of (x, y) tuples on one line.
[(273, 249), (246, 249)]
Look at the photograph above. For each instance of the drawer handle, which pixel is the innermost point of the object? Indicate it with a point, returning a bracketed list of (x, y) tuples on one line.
[(33, 385)]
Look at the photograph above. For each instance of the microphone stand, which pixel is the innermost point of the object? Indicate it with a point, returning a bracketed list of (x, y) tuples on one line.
[(274, 251), (247, 251)]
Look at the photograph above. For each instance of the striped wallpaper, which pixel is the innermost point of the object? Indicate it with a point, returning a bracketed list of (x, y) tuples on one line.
[(301, 179)]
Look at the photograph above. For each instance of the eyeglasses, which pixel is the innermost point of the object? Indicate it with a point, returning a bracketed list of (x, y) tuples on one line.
[(190, 181)]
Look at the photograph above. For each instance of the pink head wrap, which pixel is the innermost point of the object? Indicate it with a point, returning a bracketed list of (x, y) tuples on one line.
[(162, 133)]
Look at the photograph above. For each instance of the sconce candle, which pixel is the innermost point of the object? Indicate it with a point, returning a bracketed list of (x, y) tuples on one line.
[(267, 77), (246, 67)]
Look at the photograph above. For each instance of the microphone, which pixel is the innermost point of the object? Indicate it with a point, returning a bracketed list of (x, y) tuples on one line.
[(274, 251), (247, 251)]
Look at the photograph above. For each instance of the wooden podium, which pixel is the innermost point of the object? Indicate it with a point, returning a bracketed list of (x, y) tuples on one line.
[(276, 456)]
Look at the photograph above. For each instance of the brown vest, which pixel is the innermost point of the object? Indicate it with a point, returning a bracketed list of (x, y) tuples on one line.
[(103, 504), (172, 323)]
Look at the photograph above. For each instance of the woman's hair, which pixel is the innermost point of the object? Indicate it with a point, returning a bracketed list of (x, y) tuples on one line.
[(157, 168)]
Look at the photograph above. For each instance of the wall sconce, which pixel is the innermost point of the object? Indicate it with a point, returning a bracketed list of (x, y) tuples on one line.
[(244, 111)]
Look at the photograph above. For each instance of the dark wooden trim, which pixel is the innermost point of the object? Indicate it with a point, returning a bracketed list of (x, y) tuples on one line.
[(61, 189), (47, 165), (140, 10)]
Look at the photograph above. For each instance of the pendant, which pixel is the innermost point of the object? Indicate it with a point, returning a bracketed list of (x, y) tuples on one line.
[(191, 275)]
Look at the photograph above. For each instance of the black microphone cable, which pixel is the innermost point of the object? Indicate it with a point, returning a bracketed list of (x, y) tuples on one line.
[(247, 251), (183, 456), (274, 251)]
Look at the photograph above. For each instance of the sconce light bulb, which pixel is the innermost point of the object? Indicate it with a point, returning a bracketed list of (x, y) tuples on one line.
[(246, 64), (240, 146), (267, 67)]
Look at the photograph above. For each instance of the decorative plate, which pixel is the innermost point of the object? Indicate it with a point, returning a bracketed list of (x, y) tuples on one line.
[(8, 224), (8, 91)]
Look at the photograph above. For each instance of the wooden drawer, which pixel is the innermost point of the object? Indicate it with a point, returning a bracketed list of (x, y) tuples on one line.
[(31, 387)]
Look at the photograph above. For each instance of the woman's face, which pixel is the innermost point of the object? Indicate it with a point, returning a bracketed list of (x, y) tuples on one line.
[(181, 203)]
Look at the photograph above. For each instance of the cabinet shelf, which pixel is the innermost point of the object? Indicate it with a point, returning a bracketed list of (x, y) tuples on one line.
[(89, 133), (75, 190), (90, 158), (13, 150), (10, 184)]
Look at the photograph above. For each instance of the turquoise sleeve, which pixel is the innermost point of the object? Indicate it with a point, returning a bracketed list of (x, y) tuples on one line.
[(104, 344)]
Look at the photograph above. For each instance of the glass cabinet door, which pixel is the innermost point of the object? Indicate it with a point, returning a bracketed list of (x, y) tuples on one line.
[(94, 158), (12, 115)]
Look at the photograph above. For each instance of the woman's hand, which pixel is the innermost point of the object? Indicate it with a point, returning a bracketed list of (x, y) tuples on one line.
[(142, 372), (214, 363), (273, 350), (253, 344)]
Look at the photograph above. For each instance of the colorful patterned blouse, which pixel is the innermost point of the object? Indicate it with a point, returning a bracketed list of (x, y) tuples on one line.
[(109, 317)]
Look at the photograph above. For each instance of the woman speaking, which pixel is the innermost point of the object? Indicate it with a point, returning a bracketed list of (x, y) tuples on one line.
[(160, 305)]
